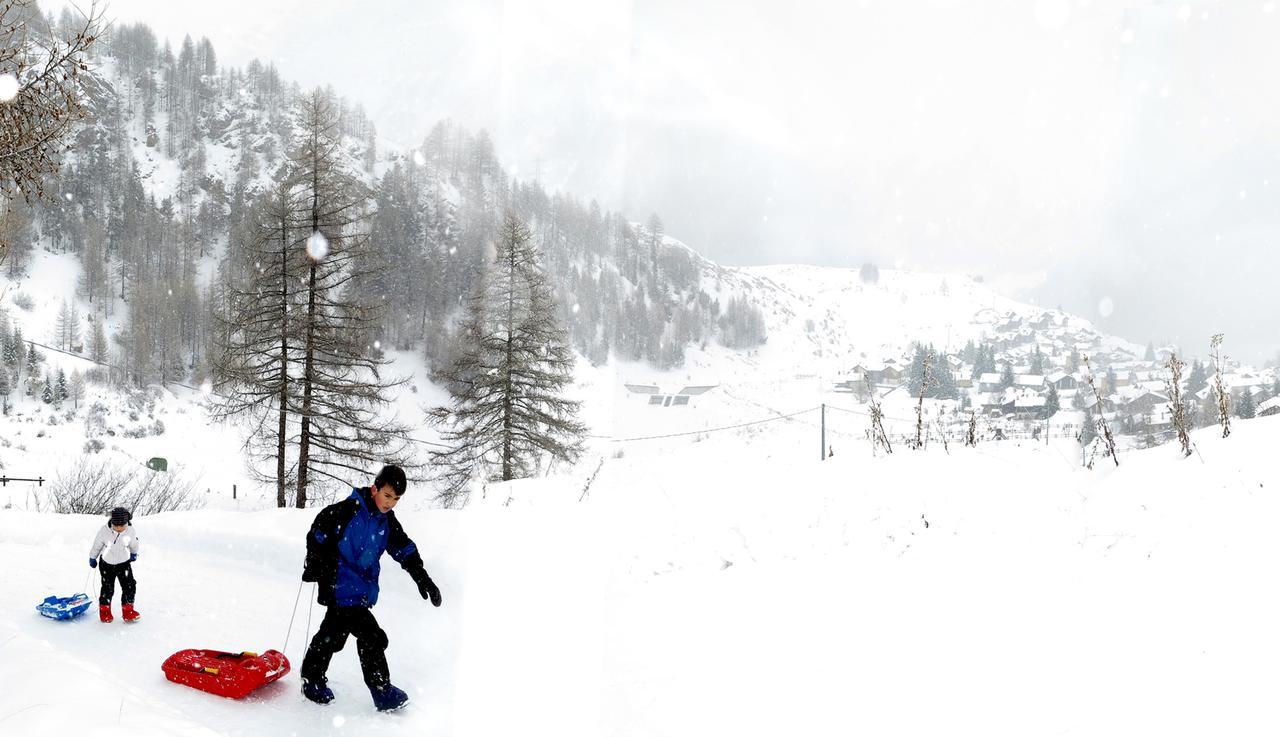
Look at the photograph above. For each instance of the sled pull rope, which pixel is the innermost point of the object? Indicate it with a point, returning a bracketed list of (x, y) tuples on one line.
[(289, 632)]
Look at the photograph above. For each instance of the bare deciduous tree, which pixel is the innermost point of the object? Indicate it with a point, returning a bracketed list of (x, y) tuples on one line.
[(925, 382), (878, 436), (1174, 382), (1219, 386), (1102, 418), (51, 82)]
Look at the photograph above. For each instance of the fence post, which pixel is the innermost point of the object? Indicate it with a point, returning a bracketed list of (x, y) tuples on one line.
[(822, 449), (233, 491)]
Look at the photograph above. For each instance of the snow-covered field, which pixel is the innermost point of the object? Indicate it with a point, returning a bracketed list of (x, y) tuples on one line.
[(703, 582), (715, 588)]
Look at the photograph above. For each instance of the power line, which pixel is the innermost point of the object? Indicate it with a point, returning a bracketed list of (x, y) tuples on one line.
[(707, 430)]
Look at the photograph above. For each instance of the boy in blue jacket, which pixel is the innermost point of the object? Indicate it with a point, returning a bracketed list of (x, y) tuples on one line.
[(343, 547)]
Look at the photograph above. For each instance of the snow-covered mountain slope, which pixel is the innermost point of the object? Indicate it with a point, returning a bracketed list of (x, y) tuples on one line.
[(821, 323)]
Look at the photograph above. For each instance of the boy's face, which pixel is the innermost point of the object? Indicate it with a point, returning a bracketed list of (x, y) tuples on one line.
[(119, 528), (385, 498)]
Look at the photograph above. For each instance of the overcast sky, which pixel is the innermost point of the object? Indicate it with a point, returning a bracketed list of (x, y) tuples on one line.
[(1082, 154)]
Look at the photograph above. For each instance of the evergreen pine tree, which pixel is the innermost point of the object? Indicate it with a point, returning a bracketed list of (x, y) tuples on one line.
[(1006, 378), (1245, 408), (507, 411), (915, 373), (98, 348), (60, 389), (1198, 379), (1052, 402), (944, 382)]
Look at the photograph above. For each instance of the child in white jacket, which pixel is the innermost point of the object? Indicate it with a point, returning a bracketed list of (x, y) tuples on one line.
[(116, 548)]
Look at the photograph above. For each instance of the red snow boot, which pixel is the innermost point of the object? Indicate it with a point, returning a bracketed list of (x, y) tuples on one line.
[(104, 613), (131, 614)]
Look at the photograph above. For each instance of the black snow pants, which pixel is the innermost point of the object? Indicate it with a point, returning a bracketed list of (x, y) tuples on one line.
[(110, 573), (371, 644)]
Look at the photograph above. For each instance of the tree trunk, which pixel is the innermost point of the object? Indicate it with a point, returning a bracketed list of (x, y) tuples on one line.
[(304, 438), (284, 364), (507, 472)]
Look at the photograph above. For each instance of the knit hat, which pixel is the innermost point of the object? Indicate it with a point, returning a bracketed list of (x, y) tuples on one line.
[(120, 516)]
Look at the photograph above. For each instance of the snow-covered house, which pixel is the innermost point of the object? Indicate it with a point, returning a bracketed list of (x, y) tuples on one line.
[(1034, 382), (1142, 402), (1062, 380)]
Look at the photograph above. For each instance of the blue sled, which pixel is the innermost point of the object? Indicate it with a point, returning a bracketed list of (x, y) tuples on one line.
[(64, 607)]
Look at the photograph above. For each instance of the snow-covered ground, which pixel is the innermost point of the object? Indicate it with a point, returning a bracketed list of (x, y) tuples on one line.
[(685, 580), (736, 586)]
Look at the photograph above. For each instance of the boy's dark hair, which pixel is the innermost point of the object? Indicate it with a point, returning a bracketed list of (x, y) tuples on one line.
[(393, 475)]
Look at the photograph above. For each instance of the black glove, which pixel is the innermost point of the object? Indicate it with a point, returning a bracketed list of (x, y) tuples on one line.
[(133, 557), (428, 589), (93, 562)]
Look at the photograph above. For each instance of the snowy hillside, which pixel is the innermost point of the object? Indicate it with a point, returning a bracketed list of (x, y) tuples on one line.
[(722, 588), (821, 322)]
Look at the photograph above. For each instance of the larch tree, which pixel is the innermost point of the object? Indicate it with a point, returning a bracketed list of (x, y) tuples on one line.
[(507, 412), (257, 340), (341, 393)]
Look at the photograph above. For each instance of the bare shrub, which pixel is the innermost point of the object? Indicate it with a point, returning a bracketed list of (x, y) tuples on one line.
[(95, 487)]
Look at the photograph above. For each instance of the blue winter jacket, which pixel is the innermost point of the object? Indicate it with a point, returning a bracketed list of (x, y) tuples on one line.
[(345, 544)]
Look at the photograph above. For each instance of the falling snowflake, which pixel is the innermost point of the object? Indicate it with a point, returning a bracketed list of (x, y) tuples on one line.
[(1106, 307), (206, 388), (339, 720), (419, 159), (453, 250), (377, 344), (576, 307), (8, 87), (317, 246)]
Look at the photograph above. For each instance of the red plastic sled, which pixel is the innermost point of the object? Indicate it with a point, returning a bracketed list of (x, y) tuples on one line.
[(234, 675)]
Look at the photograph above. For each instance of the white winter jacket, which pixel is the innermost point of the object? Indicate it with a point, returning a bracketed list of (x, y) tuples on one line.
[(115, 547)]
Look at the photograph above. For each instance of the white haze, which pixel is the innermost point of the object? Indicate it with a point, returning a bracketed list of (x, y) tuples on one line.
[(1122, 150)]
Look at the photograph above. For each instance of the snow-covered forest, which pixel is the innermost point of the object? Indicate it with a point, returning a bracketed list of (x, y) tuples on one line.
[(157, 201)]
